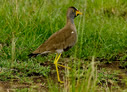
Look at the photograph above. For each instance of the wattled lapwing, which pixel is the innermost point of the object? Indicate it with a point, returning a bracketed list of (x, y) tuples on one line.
[(60, 41)]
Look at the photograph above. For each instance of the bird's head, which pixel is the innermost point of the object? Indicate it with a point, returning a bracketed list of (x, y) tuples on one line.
[(73, 12)]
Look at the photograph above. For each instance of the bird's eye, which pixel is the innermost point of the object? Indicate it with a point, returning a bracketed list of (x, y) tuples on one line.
[(73, 10)]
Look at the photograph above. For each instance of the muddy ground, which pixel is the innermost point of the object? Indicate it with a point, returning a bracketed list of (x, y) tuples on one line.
[(40, 83)]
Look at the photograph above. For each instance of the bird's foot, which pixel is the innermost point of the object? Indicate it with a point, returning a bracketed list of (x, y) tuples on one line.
[(64, 66), (60, 81)]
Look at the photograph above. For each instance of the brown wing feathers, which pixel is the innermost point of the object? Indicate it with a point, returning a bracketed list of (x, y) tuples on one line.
[(59, 40)]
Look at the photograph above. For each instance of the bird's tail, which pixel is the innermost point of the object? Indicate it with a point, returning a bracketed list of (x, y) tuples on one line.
[(32, 55)]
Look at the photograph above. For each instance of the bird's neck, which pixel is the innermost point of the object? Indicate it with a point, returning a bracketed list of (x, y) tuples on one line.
[(70, 20)]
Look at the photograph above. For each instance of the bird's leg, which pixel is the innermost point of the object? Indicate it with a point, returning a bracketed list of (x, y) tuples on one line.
[(56, 57), (59, 64), (55, 62)]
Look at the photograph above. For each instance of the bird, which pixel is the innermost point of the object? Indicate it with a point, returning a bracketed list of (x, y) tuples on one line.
[(60, 41)]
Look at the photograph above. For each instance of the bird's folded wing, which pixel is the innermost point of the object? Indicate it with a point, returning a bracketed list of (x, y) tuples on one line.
[(59, 40)]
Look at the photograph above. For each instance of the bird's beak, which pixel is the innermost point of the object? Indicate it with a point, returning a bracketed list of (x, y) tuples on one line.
[(78, 13)]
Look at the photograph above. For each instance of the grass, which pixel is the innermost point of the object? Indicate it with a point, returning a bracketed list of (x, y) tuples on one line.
[(84, 83), (25, 24)]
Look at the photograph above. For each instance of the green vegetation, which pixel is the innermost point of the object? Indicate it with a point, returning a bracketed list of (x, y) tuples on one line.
[(102, 35)]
